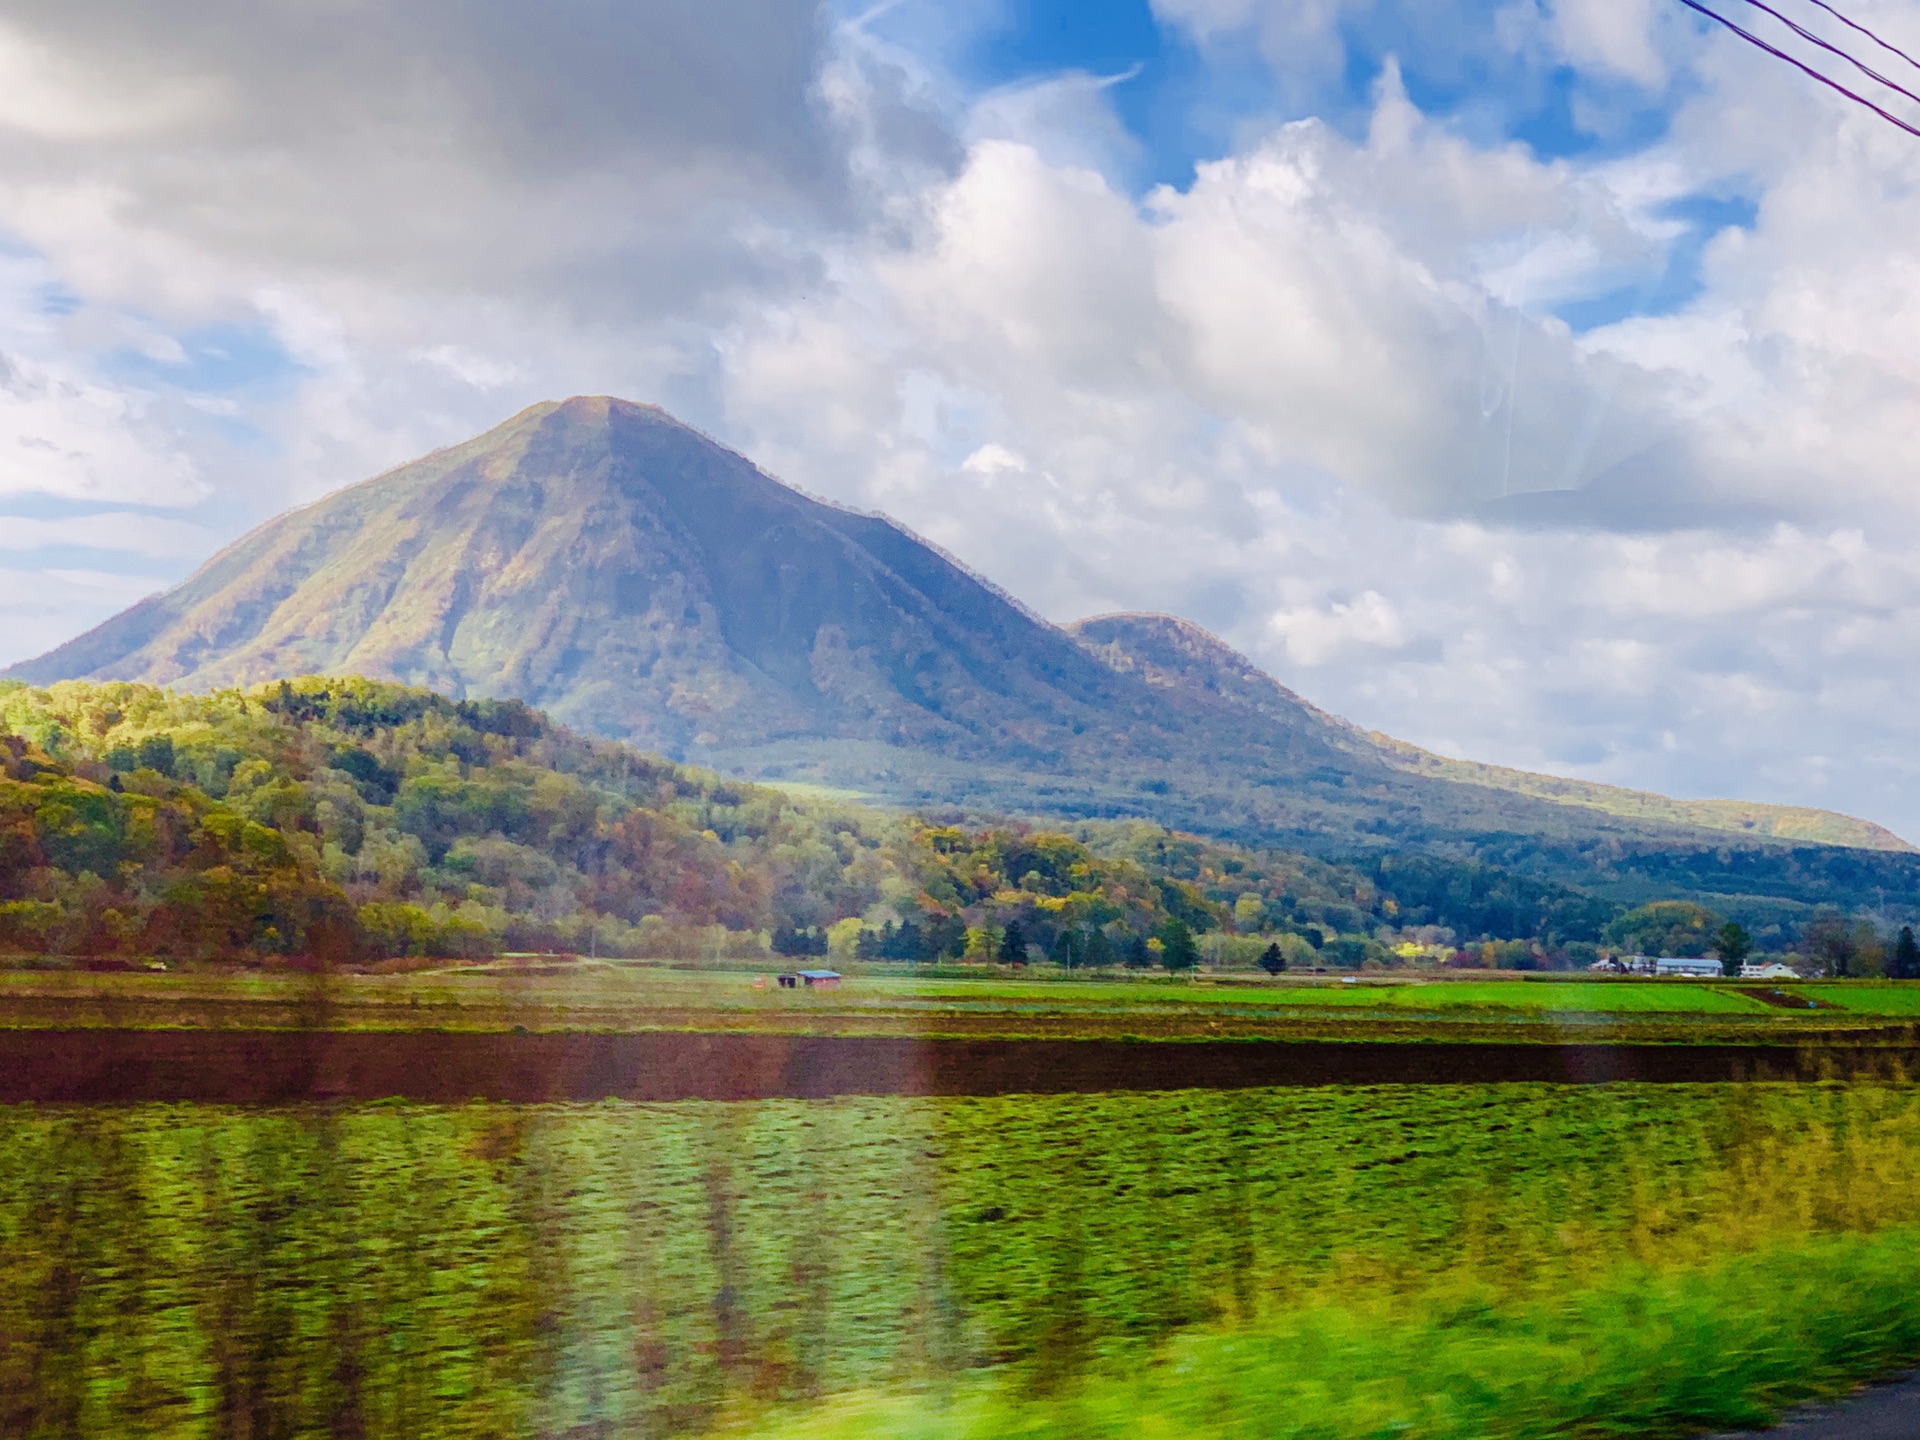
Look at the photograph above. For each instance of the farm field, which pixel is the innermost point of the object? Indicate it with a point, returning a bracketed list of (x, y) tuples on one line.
[(626, 996), (1890, 998), (1621, 1259)]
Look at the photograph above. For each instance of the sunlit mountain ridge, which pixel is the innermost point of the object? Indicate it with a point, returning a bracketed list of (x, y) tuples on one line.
[(635, 579)]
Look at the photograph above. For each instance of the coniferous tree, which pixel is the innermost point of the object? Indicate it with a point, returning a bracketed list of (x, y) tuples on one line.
[(946, 937), (1906, 956), (1013, 945), (1733, 944), (907, 942), (1271, 960), (1099, 953)]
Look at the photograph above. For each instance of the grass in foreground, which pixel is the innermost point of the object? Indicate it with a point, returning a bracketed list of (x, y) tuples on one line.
[(1644, 1354), (1520, 1260)]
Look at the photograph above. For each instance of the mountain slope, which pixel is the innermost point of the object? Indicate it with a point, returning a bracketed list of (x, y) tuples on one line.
[(620, 570), (1178, 655), (627, 575)]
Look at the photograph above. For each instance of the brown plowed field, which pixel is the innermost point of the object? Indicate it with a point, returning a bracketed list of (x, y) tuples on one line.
[(271, 1067)]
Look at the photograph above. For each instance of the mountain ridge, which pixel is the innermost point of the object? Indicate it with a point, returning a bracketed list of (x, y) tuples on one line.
[(1141, 641), (600, 560)]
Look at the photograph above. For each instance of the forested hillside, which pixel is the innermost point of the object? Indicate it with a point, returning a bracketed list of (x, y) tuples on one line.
[(355, 820), (359, 819)]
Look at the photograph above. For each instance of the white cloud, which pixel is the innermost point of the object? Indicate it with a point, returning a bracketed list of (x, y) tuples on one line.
[(131, 534), (1614, 36), (63, 435), (1340, 629), (1315, 399), (991, 459), (45, 93), (1235, 403)]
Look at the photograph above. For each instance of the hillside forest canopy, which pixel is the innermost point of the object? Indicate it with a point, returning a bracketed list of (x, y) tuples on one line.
[(352, 821)]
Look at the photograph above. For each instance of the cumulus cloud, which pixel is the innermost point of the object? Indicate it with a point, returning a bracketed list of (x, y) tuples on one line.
[(63, 432), (434, 145), (1319, 400), (1322, 396)]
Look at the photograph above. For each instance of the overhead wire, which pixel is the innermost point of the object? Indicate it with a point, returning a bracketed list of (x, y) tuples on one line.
[(1856, 25), (1811, 38), (1802, 66)]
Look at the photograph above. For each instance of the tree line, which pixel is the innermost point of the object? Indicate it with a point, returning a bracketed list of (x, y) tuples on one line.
[(357, 820)]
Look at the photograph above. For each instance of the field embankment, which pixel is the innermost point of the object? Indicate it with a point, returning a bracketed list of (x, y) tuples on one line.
[(278, 1067)]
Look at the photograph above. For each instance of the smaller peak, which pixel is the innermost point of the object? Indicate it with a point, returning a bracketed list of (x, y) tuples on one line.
[(1120, 621), (1172, 653), (1138, 627)]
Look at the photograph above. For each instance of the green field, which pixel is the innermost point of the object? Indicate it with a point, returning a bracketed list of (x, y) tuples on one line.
[(622, 995), (1868, 997), (1586, 997), (1490, 1261)]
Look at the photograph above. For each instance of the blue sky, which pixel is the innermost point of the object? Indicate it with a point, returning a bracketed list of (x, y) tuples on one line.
[(1532, 380), (1184, 100)]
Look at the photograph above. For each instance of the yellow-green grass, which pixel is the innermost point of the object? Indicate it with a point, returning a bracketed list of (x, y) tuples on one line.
[(1516, 1260), (1648, 1355), (1867, 997), (619, 995), (1680, 997)]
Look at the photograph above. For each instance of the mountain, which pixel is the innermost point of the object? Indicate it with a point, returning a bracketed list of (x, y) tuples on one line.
[(631, 577), (1177, 654)]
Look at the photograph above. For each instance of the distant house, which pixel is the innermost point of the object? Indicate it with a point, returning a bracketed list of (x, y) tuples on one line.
[(811, 979), (1772, 970), (1685, 966), (1690, 968), (1624, 965)]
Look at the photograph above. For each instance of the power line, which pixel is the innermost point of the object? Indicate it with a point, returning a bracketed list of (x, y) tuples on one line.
[(1804, 68), (1809, 36), (1855, 25)]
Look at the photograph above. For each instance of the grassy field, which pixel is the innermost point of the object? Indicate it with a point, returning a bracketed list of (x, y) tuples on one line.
[(1587, 997), (610, 995), (1865, 997), (1497, 1261)]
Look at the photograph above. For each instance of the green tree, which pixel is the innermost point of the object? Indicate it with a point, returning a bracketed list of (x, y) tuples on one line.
[(1271, 960), (1666, 927), (1732, 944), (1846, 947), (1099, 949), (1906, 956), (1178, 952), (1249, 913), (1013, 945)]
